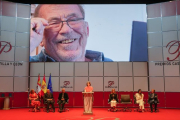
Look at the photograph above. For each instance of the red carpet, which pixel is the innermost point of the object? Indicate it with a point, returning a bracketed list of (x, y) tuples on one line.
[(99, 114)]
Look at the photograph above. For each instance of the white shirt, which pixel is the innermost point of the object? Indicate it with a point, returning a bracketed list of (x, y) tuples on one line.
[(139, 97)]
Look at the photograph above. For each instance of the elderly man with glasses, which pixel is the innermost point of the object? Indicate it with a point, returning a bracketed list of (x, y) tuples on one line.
[(62, 99), (63, 32)]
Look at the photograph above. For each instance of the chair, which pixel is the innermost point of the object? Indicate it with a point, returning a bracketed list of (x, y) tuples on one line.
[(32, 107), (112, 109), (125, 99), (64, 109), (153, 104), (2, 95), (10, 94), (137, 109)]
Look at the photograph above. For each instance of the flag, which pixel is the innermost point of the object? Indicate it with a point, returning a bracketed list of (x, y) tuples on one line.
[(38, 89), (43, 86), (50, 84)]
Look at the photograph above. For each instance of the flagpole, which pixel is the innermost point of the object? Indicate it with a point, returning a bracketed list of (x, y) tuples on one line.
[(40, 92)]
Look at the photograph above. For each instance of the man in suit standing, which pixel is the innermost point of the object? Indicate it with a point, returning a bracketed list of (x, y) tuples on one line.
[(153, 100), (63, 98), (49, 99)]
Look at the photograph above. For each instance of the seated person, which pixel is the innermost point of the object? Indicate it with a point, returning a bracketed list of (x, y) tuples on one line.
[(153, 100), (139, 99), (33, 97), (49, 99), (63, 97), (113, 99)]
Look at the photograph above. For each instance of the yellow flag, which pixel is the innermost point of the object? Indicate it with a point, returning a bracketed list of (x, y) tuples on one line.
[(44, 86)]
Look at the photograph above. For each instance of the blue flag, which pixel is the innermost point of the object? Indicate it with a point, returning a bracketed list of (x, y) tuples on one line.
[(50, 84)]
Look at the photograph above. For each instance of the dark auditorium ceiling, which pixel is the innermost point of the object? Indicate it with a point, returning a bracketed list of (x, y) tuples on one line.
[(89, 1)]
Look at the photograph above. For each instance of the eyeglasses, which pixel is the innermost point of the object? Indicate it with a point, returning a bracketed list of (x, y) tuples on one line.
[(57, 24)]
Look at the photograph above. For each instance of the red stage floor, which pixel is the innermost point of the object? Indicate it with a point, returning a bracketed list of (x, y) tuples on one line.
[(99, 114)]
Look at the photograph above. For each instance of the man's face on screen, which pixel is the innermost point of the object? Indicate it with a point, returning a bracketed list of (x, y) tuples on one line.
[(63, 41)]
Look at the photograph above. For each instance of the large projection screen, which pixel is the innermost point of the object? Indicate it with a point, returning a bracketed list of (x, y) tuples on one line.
[(110, 30)]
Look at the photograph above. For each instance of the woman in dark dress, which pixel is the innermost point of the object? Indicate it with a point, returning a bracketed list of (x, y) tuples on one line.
[(113, 99)]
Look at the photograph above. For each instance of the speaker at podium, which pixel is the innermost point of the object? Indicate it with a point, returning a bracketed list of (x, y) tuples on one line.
[(88, 99)]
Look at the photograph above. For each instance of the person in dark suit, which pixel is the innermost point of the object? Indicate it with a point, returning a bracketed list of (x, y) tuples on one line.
[(113, 99), (49, 99), (153, 100), (63, 98)]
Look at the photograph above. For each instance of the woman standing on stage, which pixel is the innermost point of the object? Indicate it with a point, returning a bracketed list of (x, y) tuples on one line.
[(88, 99), (113, 99), (33, 97)]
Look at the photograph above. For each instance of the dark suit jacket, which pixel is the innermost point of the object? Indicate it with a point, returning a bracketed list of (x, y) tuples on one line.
[(65, 96), (48, 96), (113, 96), (153, 99)]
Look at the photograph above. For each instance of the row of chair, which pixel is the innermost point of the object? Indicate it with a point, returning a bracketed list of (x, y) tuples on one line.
[(3, 95), (125, 99), (50, 108)]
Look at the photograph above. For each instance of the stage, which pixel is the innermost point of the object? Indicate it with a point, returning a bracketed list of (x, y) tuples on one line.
[(77, 114)]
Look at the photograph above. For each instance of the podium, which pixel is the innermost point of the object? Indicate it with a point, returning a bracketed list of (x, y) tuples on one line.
[(6, 103), (88, 101)]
